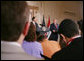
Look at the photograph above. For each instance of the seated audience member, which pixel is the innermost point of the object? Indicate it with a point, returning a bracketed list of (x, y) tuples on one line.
[(14, 28), (68, 30), (49, 47), (80, 23), (30, 45)]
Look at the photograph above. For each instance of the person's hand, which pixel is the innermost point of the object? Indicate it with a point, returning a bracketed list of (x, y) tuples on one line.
[(54, 31)]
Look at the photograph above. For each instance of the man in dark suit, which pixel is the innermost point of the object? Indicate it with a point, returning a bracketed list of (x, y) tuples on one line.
[(42, 29), (34, 21), (68, 30), (54, 30)]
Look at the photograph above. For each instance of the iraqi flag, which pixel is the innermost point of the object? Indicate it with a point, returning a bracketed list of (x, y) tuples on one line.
[(48, 25)]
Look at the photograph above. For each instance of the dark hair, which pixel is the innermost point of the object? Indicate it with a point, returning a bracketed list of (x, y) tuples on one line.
[(80, 23), (68, 28), (40, 38), (33, 18), (13, 17), (31, 37)]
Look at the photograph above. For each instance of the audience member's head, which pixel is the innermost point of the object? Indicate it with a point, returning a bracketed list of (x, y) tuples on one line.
[(31, 37), (14, 20), (68, 29), (80, 23)]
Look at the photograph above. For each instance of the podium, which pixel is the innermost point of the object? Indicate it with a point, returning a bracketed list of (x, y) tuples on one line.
[(44, 30)]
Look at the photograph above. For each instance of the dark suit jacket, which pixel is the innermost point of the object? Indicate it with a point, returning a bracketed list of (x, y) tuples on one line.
[(53, 36), (52, 27), (72, 52), (38, 29)]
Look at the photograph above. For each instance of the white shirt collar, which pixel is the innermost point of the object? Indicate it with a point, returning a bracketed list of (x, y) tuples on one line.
[(77, 36), (33, 22), (12, 43)]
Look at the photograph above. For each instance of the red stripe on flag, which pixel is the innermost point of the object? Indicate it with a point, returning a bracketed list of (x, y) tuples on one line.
[(48, 22)]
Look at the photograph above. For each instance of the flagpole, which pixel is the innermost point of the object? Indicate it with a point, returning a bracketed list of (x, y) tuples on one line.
[(44, 7)]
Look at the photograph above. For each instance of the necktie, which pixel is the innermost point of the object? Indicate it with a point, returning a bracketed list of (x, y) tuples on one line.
[(56, 26)]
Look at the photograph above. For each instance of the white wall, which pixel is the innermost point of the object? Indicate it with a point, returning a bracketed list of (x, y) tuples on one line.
[(73, 6), (56, 9)]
